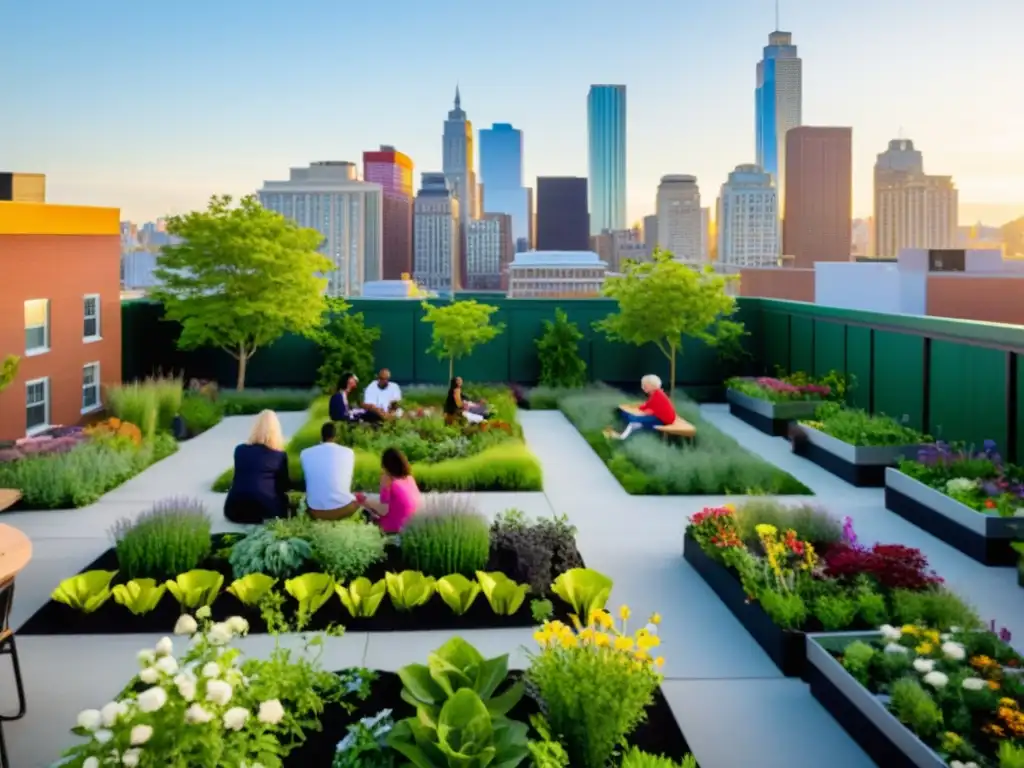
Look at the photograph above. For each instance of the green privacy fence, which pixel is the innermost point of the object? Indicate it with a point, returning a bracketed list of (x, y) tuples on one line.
[(956, 379)]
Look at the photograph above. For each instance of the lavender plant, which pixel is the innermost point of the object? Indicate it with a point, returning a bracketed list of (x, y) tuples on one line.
[(171, 538)]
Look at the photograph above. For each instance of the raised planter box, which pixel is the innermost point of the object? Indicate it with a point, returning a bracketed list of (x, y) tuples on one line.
[(860, 465), (785, 647), (768, 417), (985, 538), (861, 713)]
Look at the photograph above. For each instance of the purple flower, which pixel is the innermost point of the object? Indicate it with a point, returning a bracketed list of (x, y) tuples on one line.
[(1004, 635), (848, 534)]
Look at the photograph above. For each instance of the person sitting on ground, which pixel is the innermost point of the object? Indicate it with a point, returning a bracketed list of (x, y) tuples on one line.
[(259, 489), (328, 469), (455, 406), (382, 396), (400, 497), (339, 408), (656, 411)]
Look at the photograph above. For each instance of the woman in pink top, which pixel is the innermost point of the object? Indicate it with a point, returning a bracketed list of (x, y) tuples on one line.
[(399, 494)]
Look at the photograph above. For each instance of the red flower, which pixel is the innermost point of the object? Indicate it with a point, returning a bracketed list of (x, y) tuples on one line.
[(989, 504), (893, 566)]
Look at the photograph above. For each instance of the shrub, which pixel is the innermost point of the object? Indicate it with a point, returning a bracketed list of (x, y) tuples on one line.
[(346, 549), (893, 566), (447, 536), (152, 403), (346, 343), (262, 551), (813, 524), (559, 355), (546, 398), (543, 549), (249, 402), (858, 427), (200, 413), (171, 538)]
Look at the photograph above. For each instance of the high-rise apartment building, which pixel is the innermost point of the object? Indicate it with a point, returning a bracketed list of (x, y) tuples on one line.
[(436, 235), (817, 221), (393, 171), (912, 208), (748, 219), (778, 103), (651, 232), (679, 218), (23, 187), (606, 133), (563, 223), (329, 198), (457, 164), (501, 174), (489, 251)]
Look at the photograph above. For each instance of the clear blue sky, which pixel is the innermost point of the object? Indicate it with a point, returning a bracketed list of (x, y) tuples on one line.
[(152, 106)]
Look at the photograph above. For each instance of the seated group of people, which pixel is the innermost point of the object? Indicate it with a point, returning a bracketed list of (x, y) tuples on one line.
[(382, 401)]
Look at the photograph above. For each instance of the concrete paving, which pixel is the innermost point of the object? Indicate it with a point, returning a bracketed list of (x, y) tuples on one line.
[(718, 681)]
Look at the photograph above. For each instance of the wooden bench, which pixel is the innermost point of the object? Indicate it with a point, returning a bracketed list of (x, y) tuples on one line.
[(678, 428)]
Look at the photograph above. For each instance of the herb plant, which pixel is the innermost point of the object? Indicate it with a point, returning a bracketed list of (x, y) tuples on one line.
[(542, 549), (261, 551), (448, 536), (347, 548), (858, 427), (171, 538)]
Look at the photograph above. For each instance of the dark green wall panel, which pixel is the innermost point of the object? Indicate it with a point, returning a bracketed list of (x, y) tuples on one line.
[(776, 342), (968, 394), (899, 377), (1019, 455), (801, 345), (858, 366), (829, 348)]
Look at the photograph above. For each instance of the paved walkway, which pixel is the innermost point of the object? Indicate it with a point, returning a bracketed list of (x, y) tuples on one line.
[(718, 681)]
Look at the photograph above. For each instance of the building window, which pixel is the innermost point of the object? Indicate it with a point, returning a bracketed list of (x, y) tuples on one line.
[(91, 312), (37, 326), (90, 387), (37, 405)]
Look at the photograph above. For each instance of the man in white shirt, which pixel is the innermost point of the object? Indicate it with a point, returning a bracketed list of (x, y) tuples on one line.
[(328, 469), (383, 395)]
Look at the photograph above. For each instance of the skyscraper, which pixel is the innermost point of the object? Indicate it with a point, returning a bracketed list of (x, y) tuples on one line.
[(436, 235), (501, 175), (562, 220), (488, 252), (393, 171), (651, 232), (748, 219), (680, 221), (457, 162), (778, 103), (606, 133), (912, 208), (817, 220), (329, 198)]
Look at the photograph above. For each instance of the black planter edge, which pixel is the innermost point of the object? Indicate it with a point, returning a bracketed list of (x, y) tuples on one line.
[(770, 426), (859, 475)]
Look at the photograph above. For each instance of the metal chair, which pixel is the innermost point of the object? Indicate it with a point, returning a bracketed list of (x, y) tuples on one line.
[(8, 646)]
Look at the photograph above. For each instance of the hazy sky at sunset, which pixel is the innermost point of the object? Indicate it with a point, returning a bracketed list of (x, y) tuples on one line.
[(152, 107)]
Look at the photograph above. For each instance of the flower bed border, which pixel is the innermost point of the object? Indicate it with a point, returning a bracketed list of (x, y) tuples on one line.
[(860, 465), (768, 417), (985, 538), (861, 714), (785, 647)]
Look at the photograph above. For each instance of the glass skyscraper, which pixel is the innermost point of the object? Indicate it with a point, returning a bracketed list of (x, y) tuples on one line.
[(501, 176), (606, 131), (778, 103)]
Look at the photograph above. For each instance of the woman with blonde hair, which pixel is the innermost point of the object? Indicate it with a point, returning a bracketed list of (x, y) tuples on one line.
[(260, 486)]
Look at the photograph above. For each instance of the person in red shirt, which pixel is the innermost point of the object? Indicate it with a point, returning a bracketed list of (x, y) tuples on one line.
[(658, 409)]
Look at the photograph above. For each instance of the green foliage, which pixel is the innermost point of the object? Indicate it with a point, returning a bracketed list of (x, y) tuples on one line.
[(585, 589), (541, 610), (346, 343), (547, 752), (250, 402), (914, 707), (857, 658), (662, 301), (150, 404), (558, 353), (503, 594), (262, 551), (85, 592), (1011, 755), (345, 549), (637, 759), (140, 596), (458, 592), (858, 427), (835, 612), (171, 538), (934, 608), (362, 597), (196, 589), (786, 609), (311, 590), (241, 278), (458, 328), (447, 536), (811, 523), (365, 744), (8, 371), (409, 589), (200, 413), (252, 588)]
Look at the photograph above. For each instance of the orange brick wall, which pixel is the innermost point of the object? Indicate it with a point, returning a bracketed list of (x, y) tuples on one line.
[(996, 299), (778, 283), (63, 269)]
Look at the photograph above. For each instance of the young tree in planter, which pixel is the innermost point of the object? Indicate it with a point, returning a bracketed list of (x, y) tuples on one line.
[(458, 328), (8, 370), (663, 300), (241, 277), (347, 345), (559, 355)]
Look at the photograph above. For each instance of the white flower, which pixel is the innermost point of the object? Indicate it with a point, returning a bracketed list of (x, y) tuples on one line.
[(130, 759), (211, 669), (974, 683), (924, 665), (149, 675), (90, 719), (204, 612), (234, 718), (895, 648), (271, 712), (167, 665), (186, 685), (238, 625), (185, 625), (218, 692), (220, 634), (146, 656), (954, 651), (959, 764), (651, 629), (954, 629), (110, 713), (196, 714), (141, 734), (152, 699), (103, 735), (944, 637), (936, 679), (165, 647), (889, 632), (91, 762)]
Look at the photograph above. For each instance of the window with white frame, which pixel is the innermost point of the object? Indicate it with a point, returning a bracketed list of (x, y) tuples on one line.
[(37, 326), (90, 387), (37, 405), (91, 312)]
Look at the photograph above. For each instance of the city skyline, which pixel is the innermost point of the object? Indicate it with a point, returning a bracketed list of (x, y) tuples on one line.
[(227, 133)]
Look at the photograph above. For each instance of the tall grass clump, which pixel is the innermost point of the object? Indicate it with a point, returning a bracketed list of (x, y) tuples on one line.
[(447, 536), (171, 538), (811, 523), (150, 404)]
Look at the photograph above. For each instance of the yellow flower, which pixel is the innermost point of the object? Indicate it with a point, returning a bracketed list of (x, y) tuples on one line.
[(933, 638), (541, 637), (730, 507), (603, 619), (1007, 702), (660, 661), (642, 655), (908, 629), (655, 619), (601, 640), (647, 641), (568, 640), (624, 613), (924, 649), (765, 529), (623, 643)]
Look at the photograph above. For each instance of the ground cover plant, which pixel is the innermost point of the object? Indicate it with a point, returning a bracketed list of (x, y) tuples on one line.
[(981, 479), (791, 387), (810, 573), (489, 456), (858, 427), (645, 464), (249, 402), (961, 693)]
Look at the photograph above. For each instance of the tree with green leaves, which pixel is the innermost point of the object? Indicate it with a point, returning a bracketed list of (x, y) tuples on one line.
[(458, 328), (8, 370), (559, 354), (663, 300), (240, 278), (347, 345)]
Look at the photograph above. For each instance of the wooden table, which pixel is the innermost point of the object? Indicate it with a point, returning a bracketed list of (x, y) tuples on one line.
[(8, 498), (15, 551)]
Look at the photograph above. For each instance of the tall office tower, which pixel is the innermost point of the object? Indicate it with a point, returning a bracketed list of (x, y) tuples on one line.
[(748, 219), (912, 209), (436, 235), (23, 187), (501, 176), (606, 133), (457, 164), (778, 104), (329, 198), (393, 171), (679, 218), (651, 232), (817, 221), (488, 252), (563, 223)]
